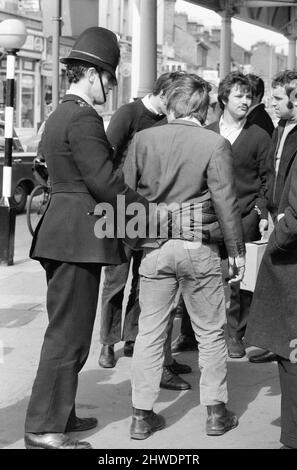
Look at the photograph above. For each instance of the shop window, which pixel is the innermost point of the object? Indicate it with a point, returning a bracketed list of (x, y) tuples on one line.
[(27, 100), (28, 65)]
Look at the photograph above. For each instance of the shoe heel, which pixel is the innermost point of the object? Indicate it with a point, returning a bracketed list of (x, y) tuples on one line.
[(215, 433), (30, 446), (140, 436)]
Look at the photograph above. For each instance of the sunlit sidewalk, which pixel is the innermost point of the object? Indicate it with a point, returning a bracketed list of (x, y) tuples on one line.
[(106, 393)]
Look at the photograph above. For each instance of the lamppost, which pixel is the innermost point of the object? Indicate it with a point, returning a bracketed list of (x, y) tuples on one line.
[(13, 35)]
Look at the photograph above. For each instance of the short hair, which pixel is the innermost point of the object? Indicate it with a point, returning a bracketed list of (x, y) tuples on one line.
[(165, 80), (286, 79), (76, 69), (188, 96), (225, 86), (257, 85)]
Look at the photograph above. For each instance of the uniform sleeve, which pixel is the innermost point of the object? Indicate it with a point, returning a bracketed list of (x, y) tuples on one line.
[(91, 152), (221, 185)]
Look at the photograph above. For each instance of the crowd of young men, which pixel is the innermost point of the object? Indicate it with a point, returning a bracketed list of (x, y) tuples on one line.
[(218, 183)]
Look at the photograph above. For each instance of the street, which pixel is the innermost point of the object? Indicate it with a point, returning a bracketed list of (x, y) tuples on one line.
[(106, 393)]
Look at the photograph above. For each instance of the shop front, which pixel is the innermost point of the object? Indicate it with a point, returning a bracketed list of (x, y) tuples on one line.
[(27, 83)]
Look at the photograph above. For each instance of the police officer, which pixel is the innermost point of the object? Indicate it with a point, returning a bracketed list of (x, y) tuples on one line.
[(77, 154)]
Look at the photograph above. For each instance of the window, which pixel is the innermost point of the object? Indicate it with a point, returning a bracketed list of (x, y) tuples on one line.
[(27, 104)]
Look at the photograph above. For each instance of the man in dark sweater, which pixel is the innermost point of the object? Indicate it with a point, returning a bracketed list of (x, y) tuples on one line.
[(257, 113), (127, 120), (250, 148)]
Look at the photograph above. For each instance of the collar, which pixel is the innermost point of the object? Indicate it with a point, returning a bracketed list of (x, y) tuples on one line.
[(291, 122), (191, 119), (237, 126), (186, 122), (147, 103), (81, 95), (251, 109)]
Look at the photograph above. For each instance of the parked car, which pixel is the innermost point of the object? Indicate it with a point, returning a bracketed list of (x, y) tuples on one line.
[(22, 176)]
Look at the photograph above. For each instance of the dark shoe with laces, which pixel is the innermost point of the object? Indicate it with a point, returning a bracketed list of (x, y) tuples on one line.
[(219, 420), (81, 424), (171, 381), (184, 343), (53, 441), (129, 348), (107, 358), (145, 423), (235, 347), (177, 368), (266, 356)]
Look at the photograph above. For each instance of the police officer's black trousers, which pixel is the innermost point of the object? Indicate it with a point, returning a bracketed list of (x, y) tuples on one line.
[(72, 298)]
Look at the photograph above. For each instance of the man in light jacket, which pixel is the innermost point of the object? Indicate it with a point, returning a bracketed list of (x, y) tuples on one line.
[(183, 164)]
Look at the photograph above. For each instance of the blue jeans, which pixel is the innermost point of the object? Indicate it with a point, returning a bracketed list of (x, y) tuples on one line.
[(196, 268)]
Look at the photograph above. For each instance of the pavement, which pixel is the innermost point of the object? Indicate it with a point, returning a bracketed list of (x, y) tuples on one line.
[(254, 392)]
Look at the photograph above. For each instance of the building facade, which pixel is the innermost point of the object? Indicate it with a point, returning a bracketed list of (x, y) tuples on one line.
[(182, 45), (33, 80)]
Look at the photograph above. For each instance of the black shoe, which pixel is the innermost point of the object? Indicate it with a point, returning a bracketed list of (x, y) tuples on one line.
[(171, 381), (177, 368), (235, 348), (81, 424), (107, 359), (266, 356), (144, 423), (53, 441), (219, 420), (129, 348), (184, 343), (178, 311)]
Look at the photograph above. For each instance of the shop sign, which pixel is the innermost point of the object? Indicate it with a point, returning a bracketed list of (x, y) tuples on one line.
[(29, 5)]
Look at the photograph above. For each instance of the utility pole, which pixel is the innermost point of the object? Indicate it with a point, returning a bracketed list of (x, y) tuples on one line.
[(57, 20)]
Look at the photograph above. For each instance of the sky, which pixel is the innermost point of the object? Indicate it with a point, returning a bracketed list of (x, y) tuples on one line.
[(245, 34)]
